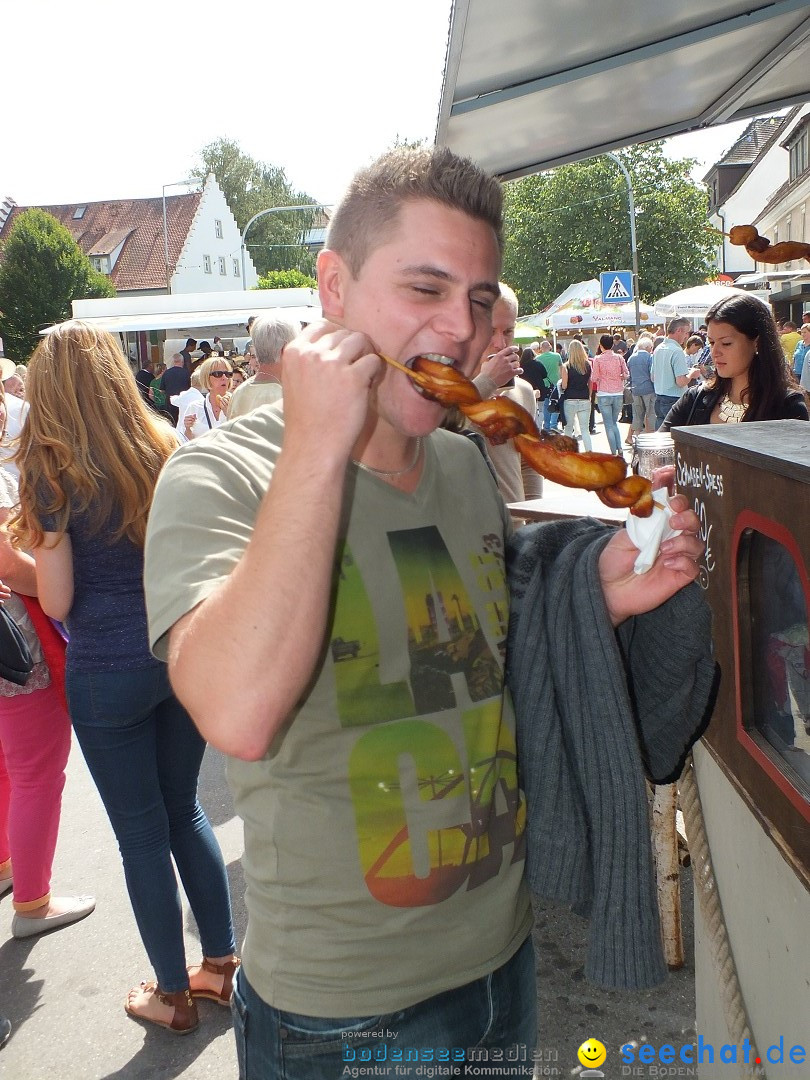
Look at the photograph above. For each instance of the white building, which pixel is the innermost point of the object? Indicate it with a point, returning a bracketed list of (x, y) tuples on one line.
[(195, 248)]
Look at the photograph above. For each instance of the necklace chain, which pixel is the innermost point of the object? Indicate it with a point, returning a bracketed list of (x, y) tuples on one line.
[(392, 472), (730, 412)]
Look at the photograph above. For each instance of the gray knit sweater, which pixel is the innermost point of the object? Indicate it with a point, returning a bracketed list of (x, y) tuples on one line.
[(596, 708)]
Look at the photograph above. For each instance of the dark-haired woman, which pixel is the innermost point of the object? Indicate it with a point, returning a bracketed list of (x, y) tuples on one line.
[(751, 380)]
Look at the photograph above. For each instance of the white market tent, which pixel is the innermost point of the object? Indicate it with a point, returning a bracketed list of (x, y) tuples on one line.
[(213, 311), (528, 86), (696, 302), (580, 307)]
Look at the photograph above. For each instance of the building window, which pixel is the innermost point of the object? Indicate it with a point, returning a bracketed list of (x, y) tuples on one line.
[(101, 263), (222, 268), (79, 212), (218, 228), (207, 263), (236, 268), (799, 155)]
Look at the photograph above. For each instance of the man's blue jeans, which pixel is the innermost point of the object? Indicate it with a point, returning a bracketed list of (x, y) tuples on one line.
[(495, 1013), (663, 403), (144, 755)]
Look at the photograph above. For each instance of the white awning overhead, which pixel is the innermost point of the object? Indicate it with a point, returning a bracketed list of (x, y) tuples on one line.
[(221, 321), (212, 311), (697, 300), (529, 86)]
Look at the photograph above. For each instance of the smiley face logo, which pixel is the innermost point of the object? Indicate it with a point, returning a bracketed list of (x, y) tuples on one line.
[(592, 1054)]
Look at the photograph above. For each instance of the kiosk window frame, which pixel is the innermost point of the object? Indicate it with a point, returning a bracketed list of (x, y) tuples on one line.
[(749, 737)]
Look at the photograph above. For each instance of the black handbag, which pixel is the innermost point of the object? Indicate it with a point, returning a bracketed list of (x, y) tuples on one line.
[(16, 662)]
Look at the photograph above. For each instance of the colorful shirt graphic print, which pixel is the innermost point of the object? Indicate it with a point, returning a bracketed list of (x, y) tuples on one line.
[(435, 804)]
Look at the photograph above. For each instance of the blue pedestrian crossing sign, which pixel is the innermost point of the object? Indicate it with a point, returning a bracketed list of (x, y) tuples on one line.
[(617, 286)]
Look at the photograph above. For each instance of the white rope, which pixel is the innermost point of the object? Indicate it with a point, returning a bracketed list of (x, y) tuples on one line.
[(711, 909)]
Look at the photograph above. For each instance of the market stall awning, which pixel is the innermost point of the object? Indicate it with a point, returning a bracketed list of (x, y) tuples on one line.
[(528, 86), (697, 300), (194, 311), (580, 307), (193, 320), (761, 277)]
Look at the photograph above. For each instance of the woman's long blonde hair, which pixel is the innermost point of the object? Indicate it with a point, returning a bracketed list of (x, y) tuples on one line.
[(89, 444), (578, 357)]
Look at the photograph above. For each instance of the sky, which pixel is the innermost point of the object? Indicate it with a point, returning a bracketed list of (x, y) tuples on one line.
[(113, 101)]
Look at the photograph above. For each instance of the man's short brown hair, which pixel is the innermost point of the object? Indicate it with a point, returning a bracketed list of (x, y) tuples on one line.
[(367, 213)]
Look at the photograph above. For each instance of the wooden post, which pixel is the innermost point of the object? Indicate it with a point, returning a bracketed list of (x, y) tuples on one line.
[(665, 854)]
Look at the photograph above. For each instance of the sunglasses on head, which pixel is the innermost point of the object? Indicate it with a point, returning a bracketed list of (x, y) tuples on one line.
[(218, 374)]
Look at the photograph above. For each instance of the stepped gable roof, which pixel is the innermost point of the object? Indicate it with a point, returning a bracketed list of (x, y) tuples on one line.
[(99, 227)]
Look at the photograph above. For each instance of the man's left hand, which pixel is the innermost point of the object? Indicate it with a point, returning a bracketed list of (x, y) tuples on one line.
[(627, 593)]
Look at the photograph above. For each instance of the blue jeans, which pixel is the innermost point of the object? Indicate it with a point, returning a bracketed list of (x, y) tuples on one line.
[(496, 1012), (610, 406), (663, 403), (551, 420), (144, 755), (580, 409)]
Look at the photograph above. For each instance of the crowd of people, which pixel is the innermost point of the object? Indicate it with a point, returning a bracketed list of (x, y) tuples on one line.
[(81, 453), (365, 566), (739, 364)]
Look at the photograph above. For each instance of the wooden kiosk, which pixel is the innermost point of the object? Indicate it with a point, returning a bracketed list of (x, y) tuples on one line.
[(750, 485)]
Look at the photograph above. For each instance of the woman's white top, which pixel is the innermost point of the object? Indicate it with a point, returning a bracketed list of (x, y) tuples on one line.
[(204, 419)]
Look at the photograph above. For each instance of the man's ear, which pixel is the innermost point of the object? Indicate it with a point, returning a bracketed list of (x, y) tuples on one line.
[(332, 274)]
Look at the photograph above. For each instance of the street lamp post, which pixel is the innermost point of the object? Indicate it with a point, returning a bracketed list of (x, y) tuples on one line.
[(275, 210), (633, 249), (176, 183)]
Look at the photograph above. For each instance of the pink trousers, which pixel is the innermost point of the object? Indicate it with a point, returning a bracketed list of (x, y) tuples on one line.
[(34, 748)]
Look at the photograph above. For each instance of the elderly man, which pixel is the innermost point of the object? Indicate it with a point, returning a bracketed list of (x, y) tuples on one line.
[(354, 552), (174, 381), (516, 480), (270, 334), (671, 371)]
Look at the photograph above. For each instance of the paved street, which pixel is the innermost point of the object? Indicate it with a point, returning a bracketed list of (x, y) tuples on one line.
[(64, 992)]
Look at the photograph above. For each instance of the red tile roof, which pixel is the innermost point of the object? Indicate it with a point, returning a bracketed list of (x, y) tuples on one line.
[(141, 264)]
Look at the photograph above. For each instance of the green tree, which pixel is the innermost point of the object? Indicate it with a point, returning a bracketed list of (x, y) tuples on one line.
[(571, 223), (274, 242), (286, 279), (43, 270)]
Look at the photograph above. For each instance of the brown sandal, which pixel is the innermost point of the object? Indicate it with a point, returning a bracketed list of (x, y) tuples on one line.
[(228, 971), (185, 1018)]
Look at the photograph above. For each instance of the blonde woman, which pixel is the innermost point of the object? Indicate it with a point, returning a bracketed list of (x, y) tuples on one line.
[(575, 378), (90, 453), (214, 381)]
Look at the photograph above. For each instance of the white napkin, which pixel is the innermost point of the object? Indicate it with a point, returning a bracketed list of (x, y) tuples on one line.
[(649, 533)]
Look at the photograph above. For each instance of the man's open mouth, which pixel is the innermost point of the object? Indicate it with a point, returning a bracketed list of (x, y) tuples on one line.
[(438, 357)]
